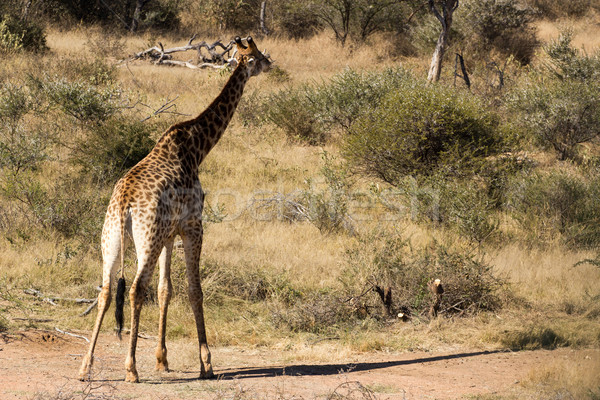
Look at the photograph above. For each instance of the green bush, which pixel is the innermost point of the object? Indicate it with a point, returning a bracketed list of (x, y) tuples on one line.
[(421, 130), (292, 111), (558, 204), (327, 208), (562, 110), (81, 100), (68, 207), (386, 259), (502, 25), (559, 114), (463, 206), (16, 35), (109, 149), (296, 20), (314, 112), (24, 143), (568, 63), (557, 9)]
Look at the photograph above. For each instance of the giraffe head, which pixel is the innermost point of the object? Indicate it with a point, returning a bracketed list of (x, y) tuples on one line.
[(255, 61)]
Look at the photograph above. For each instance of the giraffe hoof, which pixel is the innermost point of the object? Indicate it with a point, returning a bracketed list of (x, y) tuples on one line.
[(162, 367), (207, 374), (132, 378)]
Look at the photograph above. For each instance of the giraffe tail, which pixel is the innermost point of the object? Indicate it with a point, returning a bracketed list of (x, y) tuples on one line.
[(120, 300), (120, 296)]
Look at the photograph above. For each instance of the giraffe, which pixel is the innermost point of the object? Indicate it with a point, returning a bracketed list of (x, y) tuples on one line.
[(158, 199)]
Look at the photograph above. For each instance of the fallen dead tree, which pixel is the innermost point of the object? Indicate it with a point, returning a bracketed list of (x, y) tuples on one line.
[(215, 55)]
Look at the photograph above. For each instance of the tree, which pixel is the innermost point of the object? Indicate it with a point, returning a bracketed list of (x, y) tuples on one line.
[(360, 18), (337, 14), (139, 5), (445, 17)]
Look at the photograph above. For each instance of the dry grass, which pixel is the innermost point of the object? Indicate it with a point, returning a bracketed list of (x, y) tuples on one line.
[(586, 31), (249, 162), (568, 378)]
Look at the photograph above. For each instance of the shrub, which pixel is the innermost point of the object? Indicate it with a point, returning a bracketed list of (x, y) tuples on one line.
[(568, 63), (559, 114), (559, 204), (23, 146), (81, 100), (563, 110), (314, 111), (296, 20), (328, 209), (95, 72), (16, 34), (501, 25), (293, 112), (68, 207), (386, 259), (109, 149), (317, 312), (554, 10), (420, 130)]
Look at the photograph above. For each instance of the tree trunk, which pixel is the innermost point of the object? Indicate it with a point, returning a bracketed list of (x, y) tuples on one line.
[(25, 13), (139, 4), (445, 18), (435, 69), (263, 26)]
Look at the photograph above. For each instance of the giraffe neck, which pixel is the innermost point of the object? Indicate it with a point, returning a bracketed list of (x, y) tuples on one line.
[(194, 139)]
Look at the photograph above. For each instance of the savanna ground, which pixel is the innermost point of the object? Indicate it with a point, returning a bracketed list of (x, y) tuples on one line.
[(271, 286)]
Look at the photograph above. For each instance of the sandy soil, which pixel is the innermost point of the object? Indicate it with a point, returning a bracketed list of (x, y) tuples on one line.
[(44, 364)]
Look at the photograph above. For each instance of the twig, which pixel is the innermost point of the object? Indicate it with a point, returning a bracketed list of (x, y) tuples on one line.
[(140, 335), (39, 295), (33, 319), (53, 300), (168, 105), (89, 309), (315, 341), (71, 334)]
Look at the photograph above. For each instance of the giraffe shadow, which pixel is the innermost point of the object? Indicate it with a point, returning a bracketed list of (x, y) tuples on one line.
[(313, 369)]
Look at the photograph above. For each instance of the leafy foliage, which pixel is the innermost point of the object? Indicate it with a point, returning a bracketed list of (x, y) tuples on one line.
[(314, 112), (16, 35), (500, 25), (110, 149), (558, 203), (419, 130), (564, 110), (387, 260)]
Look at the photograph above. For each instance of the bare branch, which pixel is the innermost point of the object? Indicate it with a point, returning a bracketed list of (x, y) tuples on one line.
[(72, 334), (216, 57)]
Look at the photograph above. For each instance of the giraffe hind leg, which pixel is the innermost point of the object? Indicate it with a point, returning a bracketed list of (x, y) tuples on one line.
[(110, 257), (165, 290), (147, 259)]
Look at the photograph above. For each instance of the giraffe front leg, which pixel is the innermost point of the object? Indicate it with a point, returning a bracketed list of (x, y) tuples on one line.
[(192, 244)]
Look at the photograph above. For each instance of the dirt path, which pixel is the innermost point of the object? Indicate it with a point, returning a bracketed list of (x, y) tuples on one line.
[(45, 364)]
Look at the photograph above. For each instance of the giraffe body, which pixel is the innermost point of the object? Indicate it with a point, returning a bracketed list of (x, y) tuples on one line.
[(158, 199)]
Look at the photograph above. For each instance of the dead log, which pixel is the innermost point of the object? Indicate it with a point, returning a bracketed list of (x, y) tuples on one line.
[(217, 57)]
